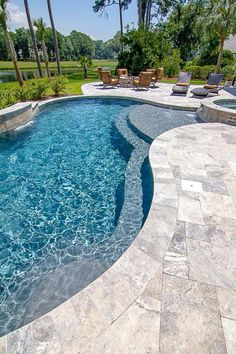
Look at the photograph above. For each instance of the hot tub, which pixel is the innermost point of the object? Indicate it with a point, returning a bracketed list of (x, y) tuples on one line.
[(218, 110)]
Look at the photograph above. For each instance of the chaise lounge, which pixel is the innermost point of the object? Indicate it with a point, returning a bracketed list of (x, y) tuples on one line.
[(183, 83), (211, 87)]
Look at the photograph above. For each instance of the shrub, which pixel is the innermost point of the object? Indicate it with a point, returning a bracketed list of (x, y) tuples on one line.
[(171, 63), (58, 85), (229, 71), (36, 89), (143, 50), (199, 72), (7, 98)]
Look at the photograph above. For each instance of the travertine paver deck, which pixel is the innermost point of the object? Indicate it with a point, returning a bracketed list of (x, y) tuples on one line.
[(173, 290), (161, 95)]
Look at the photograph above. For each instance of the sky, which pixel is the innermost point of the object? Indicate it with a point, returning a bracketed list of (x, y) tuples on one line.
[(73, 14)]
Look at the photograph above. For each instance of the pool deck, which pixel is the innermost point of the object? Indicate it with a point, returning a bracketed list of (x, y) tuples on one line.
[(161, 95), (174, 289)]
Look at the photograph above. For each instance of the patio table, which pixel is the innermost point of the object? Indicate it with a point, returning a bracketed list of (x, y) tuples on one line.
[(126, 81)]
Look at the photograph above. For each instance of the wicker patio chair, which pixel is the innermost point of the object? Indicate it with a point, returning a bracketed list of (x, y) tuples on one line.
[(143, 81), (158, 74), (99, 72), (122, 72), (108, 80)]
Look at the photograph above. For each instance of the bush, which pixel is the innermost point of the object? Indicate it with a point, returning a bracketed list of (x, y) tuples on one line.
[(171, 63), (229, 71), (199, 72), (143, 51), (7, 98), (36, 89), (58, 85)]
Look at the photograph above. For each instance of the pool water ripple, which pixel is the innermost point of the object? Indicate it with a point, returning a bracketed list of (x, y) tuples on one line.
[(60, 207), (76, 187)]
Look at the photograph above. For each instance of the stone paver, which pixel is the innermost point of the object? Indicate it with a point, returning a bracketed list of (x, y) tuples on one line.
[(161, 95), (173, 290), (190, 319)]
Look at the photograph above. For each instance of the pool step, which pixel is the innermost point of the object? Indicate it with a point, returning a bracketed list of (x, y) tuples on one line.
[(131, 216)]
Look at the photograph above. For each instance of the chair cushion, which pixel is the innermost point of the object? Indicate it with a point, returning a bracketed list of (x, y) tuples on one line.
[(182, 84), (207, 86), (136, 81)]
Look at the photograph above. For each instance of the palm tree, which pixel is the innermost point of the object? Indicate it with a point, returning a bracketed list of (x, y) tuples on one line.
[(101, 5), (4, 16), (33, 38), (220, 19), (85, 61), (54, 37), (41, 31)]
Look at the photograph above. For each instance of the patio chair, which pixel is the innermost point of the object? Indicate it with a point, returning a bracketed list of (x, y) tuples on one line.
[(99, 72), (143, 81), (108, 80), (122, 72), (158, 74), (183, 83), (212, 86)]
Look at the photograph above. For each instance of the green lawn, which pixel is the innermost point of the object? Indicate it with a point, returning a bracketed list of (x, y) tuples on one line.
[(76, 79), (28, 65)]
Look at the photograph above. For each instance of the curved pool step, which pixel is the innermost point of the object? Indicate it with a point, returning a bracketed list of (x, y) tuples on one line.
[(131, 216)]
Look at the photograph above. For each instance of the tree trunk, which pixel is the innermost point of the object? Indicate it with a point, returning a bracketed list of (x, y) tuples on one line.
[(33, 38), (121, 27), (140, 10), (13, 55), (85, 71), (148, 14), (45, 55), (54, 37), (221, 50)]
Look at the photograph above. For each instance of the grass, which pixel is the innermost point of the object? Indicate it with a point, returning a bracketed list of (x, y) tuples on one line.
[(28, 65), (76, 79)]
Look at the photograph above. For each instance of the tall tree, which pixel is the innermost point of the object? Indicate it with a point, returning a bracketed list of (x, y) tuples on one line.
[(54, 37), (144, 13), (33, 37), (101, 6), (4, 16), (41, 31), (220, 19)]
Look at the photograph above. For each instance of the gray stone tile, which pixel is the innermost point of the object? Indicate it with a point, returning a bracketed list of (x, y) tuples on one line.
[(21, 341), (135, 331), (165, 194), (206, 233), (229, 138), (227, 302), (175, 260), (190, 210), (218, 170), (211, 263), (229, 327), (3, 347), (213, 204), (45, 336), (216, 185), (190, 318)]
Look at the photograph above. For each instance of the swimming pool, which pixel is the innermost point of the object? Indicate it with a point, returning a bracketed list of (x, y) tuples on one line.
[(76, 187)]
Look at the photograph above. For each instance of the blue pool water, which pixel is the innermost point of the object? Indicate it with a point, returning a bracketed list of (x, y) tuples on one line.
[(76, 187)]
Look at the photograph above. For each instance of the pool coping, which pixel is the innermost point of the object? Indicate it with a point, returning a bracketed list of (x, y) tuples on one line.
[(130, 279)]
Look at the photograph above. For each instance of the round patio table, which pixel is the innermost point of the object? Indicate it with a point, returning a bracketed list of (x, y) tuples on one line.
[(126, 81)]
